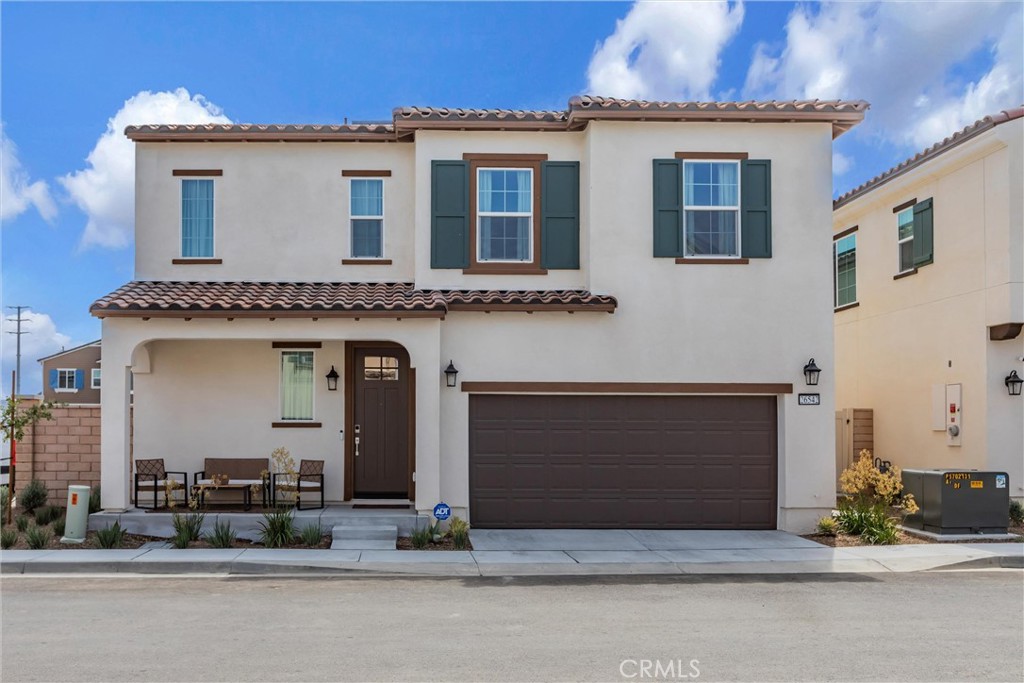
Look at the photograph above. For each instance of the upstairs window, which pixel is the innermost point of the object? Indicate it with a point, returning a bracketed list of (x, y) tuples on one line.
[(845, 261), (905, 239), (67, 379), (504, 214), (95, 379), (197, 218), (711, 204), (366, 211)]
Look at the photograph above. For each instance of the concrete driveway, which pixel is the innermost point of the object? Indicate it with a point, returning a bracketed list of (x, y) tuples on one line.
[(624, 540)]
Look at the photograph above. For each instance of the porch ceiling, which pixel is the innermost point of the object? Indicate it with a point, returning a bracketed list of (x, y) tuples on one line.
[(172, 299)]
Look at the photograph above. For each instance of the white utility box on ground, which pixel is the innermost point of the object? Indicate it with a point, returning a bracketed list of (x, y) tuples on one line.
[(77, 520)]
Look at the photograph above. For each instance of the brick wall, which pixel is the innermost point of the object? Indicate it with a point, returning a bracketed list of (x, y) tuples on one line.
[(62, 451)]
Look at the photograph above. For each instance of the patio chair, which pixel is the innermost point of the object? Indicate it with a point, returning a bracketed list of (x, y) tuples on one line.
[(150, 475), (310, 479)]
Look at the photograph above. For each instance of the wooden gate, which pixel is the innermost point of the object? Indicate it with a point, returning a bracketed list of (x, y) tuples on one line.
[(854, 432)]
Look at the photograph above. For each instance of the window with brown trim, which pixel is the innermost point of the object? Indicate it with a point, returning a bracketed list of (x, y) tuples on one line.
[(504, 205)]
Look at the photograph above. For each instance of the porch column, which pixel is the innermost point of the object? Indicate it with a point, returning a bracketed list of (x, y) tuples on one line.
[(115, 467), (424, 354)]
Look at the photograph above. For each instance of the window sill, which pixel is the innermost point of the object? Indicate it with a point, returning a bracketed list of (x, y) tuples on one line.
[(713, 261), (906, 273), (196, 261), (504, 269), (66, 391), (845, 307), (366, 262), (297, 424)]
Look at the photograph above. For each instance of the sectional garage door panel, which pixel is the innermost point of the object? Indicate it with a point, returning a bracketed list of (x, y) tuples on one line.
[(671, 462)]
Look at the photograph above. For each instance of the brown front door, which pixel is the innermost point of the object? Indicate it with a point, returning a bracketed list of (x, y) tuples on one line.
[(380, 426)]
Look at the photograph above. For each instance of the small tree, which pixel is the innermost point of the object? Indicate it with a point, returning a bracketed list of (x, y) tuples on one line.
[(13, 421)]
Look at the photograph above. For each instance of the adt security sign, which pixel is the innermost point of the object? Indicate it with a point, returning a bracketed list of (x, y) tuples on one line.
[(442, 512)]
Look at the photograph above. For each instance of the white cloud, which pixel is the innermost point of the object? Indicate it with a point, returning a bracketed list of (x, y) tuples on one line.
[(840, 163), (42, 339), (105, 190), (901, 57), (664, 50), (17, 194)]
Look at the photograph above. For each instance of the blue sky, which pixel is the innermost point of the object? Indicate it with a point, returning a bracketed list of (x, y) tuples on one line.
[(74, 74)]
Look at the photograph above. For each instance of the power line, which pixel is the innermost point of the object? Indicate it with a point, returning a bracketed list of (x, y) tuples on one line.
[(18, 333)]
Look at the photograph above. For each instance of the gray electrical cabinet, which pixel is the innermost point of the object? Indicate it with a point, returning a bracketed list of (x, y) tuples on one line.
[(959, 501)]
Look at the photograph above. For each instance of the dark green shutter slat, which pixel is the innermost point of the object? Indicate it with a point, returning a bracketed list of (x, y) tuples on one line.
[(668, 207), (924, 240), (560, 215), (756, 208), (449, 214)]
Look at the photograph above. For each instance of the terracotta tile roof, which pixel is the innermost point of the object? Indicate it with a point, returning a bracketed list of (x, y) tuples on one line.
[(957, 138), (843, 115), (326, 299)]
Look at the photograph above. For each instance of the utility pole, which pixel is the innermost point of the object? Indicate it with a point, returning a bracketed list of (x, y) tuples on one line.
[(18, 333)]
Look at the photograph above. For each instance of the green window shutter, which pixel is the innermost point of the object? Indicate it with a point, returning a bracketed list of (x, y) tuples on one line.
[(449, 214), (924, 242), (756, 208), (668, 207), (560, 215)]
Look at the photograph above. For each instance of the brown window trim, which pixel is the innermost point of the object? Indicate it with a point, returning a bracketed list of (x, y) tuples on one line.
[(531, 161), (366, 262), (712, 155), (908, 273), (196, 261), (904, 205), (296, 425), (186, 172), (843, 233), (365, 174), (691, 260), (626, 388), (845, 307), (296, 345)]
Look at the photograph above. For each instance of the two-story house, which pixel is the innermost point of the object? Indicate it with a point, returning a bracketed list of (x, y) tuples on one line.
[(596, 317), (73, 375), (929, 299)]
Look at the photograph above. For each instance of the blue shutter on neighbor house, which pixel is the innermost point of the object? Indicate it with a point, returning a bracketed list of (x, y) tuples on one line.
[(560, 215), (79, 379), (449, 214), (924, 239), (53, 379), (668, 207), (756, 208)]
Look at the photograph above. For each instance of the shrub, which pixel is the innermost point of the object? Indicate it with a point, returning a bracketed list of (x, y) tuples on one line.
[(22, 523), (277, 528), (459, 529), (865, 482), (881, 530), (58, 526), (47, 514), (312, 534), (181, 539), (94, 500), (189, 525), (437, 534), (110, 537), (1016, 512), (33, 496), (857, 516), (38, 537), (5, 493), (8, 537), (222, 536), (420, 538), (828, 526)]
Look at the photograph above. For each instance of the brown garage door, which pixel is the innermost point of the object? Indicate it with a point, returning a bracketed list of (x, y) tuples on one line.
[(645, 462)]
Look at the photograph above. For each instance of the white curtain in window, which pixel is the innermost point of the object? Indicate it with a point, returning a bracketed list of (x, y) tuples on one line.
[(297, 385)]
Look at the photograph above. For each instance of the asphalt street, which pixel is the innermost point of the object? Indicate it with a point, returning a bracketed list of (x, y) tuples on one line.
[(936, 626)]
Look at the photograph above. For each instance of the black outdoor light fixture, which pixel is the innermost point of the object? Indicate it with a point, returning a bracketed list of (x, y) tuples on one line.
[(811, 373), (450, 373), (1013, 383), (332, 380)]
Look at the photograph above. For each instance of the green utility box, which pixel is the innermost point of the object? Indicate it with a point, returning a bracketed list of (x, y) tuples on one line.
[(959, 501)]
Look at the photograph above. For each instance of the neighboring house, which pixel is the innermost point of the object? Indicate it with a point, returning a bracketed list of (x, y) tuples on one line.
[(929, 296), (629, 292), (73, 375)]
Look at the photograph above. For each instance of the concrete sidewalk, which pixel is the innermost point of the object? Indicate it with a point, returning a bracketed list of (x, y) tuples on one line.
[(539, 553)]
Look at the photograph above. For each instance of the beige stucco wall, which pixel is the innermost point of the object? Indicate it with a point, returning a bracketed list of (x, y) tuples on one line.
[(930, 328)]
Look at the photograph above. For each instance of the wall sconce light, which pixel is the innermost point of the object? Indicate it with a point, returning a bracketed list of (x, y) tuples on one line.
[(450, 374), (1013, 383), (811, 373), (332, 380)]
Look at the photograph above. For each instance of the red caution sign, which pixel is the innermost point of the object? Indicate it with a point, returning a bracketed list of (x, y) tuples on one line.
[(74, 498)]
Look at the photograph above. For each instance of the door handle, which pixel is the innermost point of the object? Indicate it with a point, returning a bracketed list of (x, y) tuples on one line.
[(356, 440), (357, 446)]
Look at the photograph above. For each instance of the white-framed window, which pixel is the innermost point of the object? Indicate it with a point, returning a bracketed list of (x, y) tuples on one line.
[(95, 379), (504, 215), (197, 217), (844, 254), (905, 239), (366, 217), (297, 385), (66, 380), (711, 208)]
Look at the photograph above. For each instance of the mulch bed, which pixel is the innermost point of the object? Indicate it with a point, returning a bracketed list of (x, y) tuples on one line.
[(405, 543), (848, 541)]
